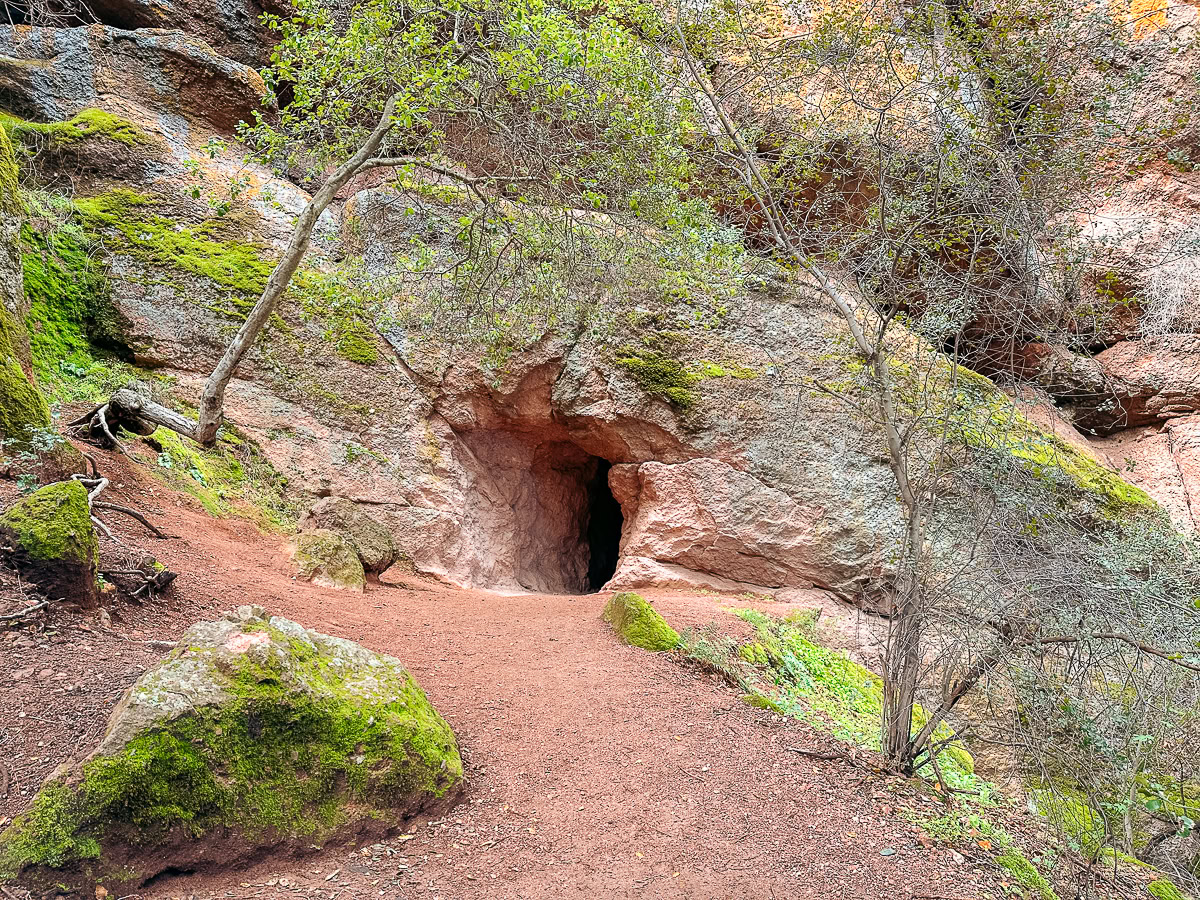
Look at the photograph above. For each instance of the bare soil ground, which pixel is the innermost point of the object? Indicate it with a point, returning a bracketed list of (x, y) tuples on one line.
[(594, 769)]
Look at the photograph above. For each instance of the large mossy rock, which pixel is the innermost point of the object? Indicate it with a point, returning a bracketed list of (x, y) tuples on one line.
[(326, 558), (369, 537), (255, 734), (638, 624), (48, 537)]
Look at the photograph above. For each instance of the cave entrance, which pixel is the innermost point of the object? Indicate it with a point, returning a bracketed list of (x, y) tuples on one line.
[(603, 530), (541, 515)]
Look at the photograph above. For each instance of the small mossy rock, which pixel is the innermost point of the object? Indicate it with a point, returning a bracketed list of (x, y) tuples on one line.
[(637, 623), (254, 735), (326, 558), (369, 537), (48, 537)]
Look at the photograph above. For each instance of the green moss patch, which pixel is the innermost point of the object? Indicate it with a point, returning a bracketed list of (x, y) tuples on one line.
[(53, 543), (231, 478), (256, 726), (76, 336), (129, 226), (1025, 873), (23, 410), (663, 377), (10, 180), (53, 524), (86, 125), (1164, 889), (638, 624)]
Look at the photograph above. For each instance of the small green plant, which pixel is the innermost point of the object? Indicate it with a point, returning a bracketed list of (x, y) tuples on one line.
[(711, 650)]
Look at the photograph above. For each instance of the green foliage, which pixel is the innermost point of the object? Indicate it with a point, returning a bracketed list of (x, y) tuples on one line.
[(711, 650), (269, 760), (85, 125), (538, 66), (53, 524), (1073, 817), (232, 477), (638, 623), (831, 691)]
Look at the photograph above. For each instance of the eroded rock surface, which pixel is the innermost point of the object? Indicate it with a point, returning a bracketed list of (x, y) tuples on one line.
[(371, 540), (326, 558), (255, 733)]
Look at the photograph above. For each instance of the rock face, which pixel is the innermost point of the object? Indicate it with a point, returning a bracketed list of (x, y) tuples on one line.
[(638, 624), (231, 27), (53, 542), (563, 467), (328, 559), (370, 539), (52, 73), (254, 734)]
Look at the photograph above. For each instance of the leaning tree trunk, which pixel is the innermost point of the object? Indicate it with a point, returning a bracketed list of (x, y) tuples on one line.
[(127, 406)]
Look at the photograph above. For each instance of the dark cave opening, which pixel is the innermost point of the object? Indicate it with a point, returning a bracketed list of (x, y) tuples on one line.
[(603, 531)]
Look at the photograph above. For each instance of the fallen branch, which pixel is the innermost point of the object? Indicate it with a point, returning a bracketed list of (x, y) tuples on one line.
[(819, 754), (134, 514), (29, 610)]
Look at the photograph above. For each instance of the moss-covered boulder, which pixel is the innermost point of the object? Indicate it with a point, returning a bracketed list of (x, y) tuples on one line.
[(637, 623), (255, 734), (326, 558), (48, 537), (369, 537)]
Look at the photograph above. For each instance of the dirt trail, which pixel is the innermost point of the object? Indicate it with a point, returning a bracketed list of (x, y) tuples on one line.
[(594, 769)]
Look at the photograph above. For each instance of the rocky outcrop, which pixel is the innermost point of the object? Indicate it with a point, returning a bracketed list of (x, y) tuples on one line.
[(369, 538), (48, 538), (328, 559), (233, 28), (51, 74), (254, 734), (707, 516)]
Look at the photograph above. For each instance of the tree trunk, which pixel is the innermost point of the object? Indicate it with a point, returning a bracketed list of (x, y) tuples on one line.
[(212, 401)]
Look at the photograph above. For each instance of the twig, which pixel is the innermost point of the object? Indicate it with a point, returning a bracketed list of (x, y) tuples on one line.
[(134, 514), (818, 754), (104, 528), (12, 617)]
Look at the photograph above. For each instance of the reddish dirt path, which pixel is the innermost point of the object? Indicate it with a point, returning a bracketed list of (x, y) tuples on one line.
[(595, 770)]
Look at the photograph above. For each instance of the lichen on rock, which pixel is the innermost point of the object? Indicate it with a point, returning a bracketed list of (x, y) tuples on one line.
[(326, 558), (638, 624), (53, 542), (254, 733), (371, 539)]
